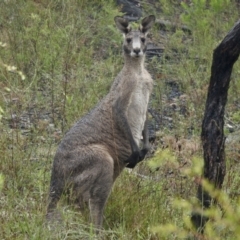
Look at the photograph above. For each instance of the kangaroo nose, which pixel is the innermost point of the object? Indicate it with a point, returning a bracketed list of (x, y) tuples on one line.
[(136, 50)]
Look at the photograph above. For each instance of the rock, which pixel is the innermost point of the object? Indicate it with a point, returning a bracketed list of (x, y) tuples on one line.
[(131, 8)]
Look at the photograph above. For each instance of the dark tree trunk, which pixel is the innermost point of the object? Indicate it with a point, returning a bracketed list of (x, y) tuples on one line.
[(213, 140)]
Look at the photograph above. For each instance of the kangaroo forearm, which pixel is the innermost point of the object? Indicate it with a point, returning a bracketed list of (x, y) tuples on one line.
[(145, 134), (133, 160)]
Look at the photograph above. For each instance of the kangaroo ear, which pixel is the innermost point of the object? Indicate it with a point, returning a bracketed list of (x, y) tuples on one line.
[(147, 23), (122, 24)]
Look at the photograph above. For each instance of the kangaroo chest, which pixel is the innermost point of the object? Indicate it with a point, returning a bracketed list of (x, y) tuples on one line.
[(137, 109)]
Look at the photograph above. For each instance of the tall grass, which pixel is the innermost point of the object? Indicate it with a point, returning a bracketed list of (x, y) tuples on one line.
[(57, 60)]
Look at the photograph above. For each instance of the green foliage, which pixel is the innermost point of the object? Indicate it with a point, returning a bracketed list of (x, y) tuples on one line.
[(53, 45), (223, 219), (204, 17), (162, 157), (1, 181), (57, 60), (1, 112), (236, 117)]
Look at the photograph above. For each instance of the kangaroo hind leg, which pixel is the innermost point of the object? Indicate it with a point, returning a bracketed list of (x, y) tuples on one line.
[(98, 199), (99, 184)]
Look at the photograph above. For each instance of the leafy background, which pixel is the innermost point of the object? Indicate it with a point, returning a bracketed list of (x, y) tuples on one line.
[(57, 60)]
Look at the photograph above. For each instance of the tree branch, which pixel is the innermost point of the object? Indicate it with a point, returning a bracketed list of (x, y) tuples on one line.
[(213, 140)]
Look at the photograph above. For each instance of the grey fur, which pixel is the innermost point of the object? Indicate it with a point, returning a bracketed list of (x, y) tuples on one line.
[(98, 147)]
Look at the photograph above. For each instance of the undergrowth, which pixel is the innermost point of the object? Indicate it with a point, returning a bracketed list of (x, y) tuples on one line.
[(57, 60)]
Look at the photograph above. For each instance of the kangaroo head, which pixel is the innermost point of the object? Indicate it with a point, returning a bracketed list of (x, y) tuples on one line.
[(135, 42)]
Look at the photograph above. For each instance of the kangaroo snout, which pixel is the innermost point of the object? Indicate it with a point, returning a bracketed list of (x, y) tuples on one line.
[(137, 51)]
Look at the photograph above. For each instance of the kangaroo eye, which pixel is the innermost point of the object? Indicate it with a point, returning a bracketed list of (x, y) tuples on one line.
[(129, 40), (143, 40)]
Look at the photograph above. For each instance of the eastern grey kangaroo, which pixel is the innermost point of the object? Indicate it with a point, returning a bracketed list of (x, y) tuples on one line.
[(98, 147)]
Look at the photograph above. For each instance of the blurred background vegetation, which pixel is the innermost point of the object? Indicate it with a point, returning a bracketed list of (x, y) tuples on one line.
[(57, 60)]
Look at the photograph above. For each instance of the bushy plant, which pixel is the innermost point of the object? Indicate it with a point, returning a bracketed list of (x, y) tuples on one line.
[(57, 60)]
